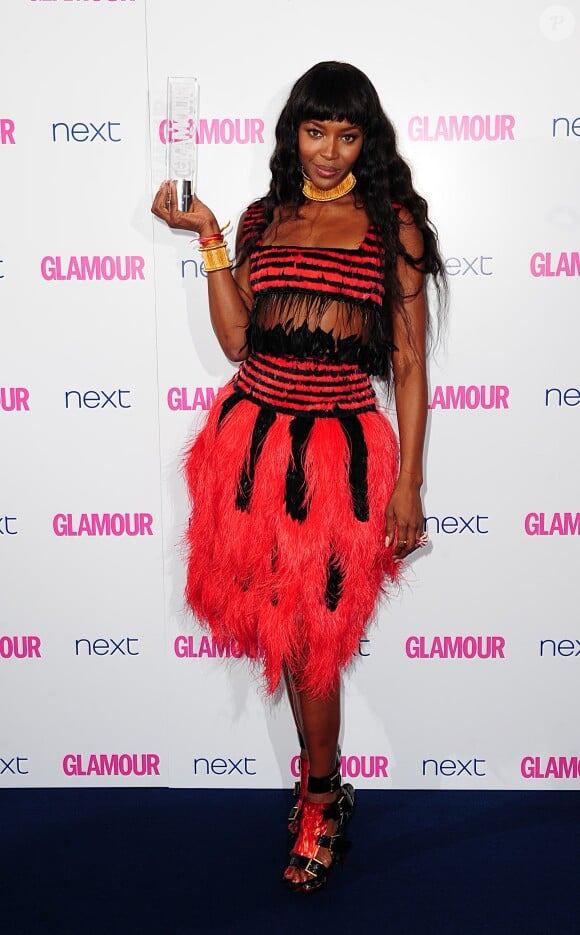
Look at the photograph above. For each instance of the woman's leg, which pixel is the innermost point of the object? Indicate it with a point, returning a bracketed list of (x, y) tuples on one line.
[(295, 708), (320, 729), (320, 726), (300, 787)]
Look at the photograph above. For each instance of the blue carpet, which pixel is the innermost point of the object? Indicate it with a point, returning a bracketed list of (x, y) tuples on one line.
[(178, 862)]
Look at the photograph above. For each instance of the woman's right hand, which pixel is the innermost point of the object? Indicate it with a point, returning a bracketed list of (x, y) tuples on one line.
[(197, 218)]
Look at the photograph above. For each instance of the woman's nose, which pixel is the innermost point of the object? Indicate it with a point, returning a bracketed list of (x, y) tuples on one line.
[(329, 150)]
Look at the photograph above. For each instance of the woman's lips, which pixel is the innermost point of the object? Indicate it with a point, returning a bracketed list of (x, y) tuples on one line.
[(327, 172)]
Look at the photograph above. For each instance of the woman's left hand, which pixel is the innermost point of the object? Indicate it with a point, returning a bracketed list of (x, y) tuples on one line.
[(404, 517)]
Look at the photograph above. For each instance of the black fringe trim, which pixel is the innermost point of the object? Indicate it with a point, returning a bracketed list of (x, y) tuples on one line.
[(279, 340), (295, 493), (357, 471), (228, 405), (334, 583), (264, 422)]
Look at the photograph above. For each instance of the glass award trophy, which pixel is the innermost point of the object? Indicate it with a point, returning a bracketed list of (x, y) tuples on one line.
[(181, 145)]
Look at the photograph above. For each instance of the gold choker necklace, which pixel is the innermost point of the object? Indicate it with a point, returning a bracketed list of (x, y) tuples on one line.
[(313, 193)]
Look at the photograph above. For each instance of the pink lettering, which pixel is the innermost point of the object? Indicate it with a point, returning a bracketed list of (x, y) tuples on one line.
[(373, 766), (103, 524), (91, 268), (559, 524), (483, 396), (113, 764), (14, 399), (178, 398), (455, 647), (562, 264), (554, 767), (241, 130), (185, 647), (19, 647), (6, 131), (458, 127)]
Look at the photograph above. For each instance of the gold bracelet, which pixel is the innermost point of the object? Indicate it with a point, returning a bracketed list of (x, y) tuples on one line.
[(213, 246), (216, 258)]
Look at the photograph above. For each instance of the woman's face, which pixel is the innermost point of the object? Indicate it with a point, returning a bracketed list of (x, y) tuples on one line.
[(328, 150)]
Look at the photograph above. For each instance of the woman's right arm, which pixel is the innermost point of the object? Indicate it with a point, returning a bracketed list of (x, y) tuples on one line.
[(230, 295)]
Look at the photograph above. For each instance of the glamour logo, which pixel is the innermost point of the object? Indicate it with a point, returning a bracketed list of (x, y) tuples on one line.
[(190, 398), (96, 399), (225, 130), (368, 766), (19, 647), (220, 766), (14, 399), (455, 647), (6, 132), (555, 264), (8, 526), (568, 397), (85, 132), (550, 767), (103, 524), (111, 764), (472, 396), (92, 268), (552, 524), (15, 765), (455, 127), (461, 266), (451, 525), (107, 647), (569, 126), (561, 648), (188, 647), (453, 767)]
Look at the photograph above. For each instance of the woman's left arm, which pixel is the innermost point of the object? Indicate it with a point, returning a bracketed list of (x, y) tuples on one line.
[(404, 518)]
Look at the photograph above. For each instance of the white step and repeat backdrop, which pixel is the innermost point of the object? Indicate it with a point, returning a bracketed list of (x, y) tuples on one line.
[(108, 362)]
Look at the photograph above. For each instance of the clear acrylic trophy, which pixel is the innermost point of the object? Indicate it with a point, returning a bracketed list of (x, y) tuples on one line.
[(180, 135)]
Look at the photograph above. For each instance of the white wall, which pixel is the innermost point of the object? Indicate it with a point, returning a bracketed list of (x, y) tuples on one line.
[(117, 348)]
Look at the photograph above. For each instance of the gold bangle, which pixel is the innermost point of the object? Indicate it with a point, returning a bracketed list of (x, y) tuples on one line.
[(213, 246), (216, 258)]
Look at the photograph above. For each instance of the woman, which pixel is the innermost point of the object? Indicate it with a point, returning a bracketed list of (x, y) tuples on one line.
[(301, 507)]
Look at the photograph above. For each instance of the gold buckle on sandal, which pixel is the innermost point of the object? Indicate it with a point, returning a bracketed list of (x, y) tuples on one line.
[(312, 860)]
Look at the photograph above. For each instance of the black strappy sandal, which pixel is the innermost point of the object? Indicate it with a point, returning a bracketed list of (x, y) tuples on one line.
[(300, 787), (313, 832)]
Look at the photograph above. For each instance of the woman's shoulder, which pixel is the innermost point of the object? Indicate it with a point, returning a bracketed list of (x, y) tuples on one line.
[(254, 215), (252, 221)]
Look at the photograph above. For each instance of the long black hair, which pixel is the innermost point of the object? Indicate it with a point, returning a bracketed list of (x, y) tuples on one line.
[(339, 91)]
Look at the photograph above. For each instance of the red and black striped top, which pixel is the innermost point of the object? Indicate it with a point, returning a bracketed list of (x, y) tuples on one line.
[(317, 302), (351, 275)]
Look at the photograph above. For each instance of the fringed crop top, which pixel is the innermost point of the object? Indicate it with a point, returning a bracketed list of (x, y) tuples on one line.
[(321, 302)]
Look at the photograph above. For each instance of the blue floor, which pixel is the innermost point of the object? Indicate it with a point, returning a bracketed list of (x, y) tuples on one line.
[(178, 862)]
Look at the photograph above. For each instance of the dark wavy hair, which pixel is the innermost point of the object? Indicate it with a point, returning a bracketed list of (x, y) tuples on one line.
[(339, 91)]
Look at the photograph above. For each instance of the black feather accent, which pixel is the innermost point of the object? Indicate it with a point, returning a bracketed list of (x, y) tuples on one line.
[(264, 421), (295, 494)]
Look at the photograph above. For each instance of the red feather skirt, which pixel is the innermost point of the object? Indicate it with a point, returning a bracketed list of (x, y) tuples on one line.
[(289, 481)]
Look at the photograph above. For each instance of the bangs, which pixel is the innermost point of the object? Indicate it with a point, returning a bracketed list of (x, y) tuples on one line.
[(334, 91)]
